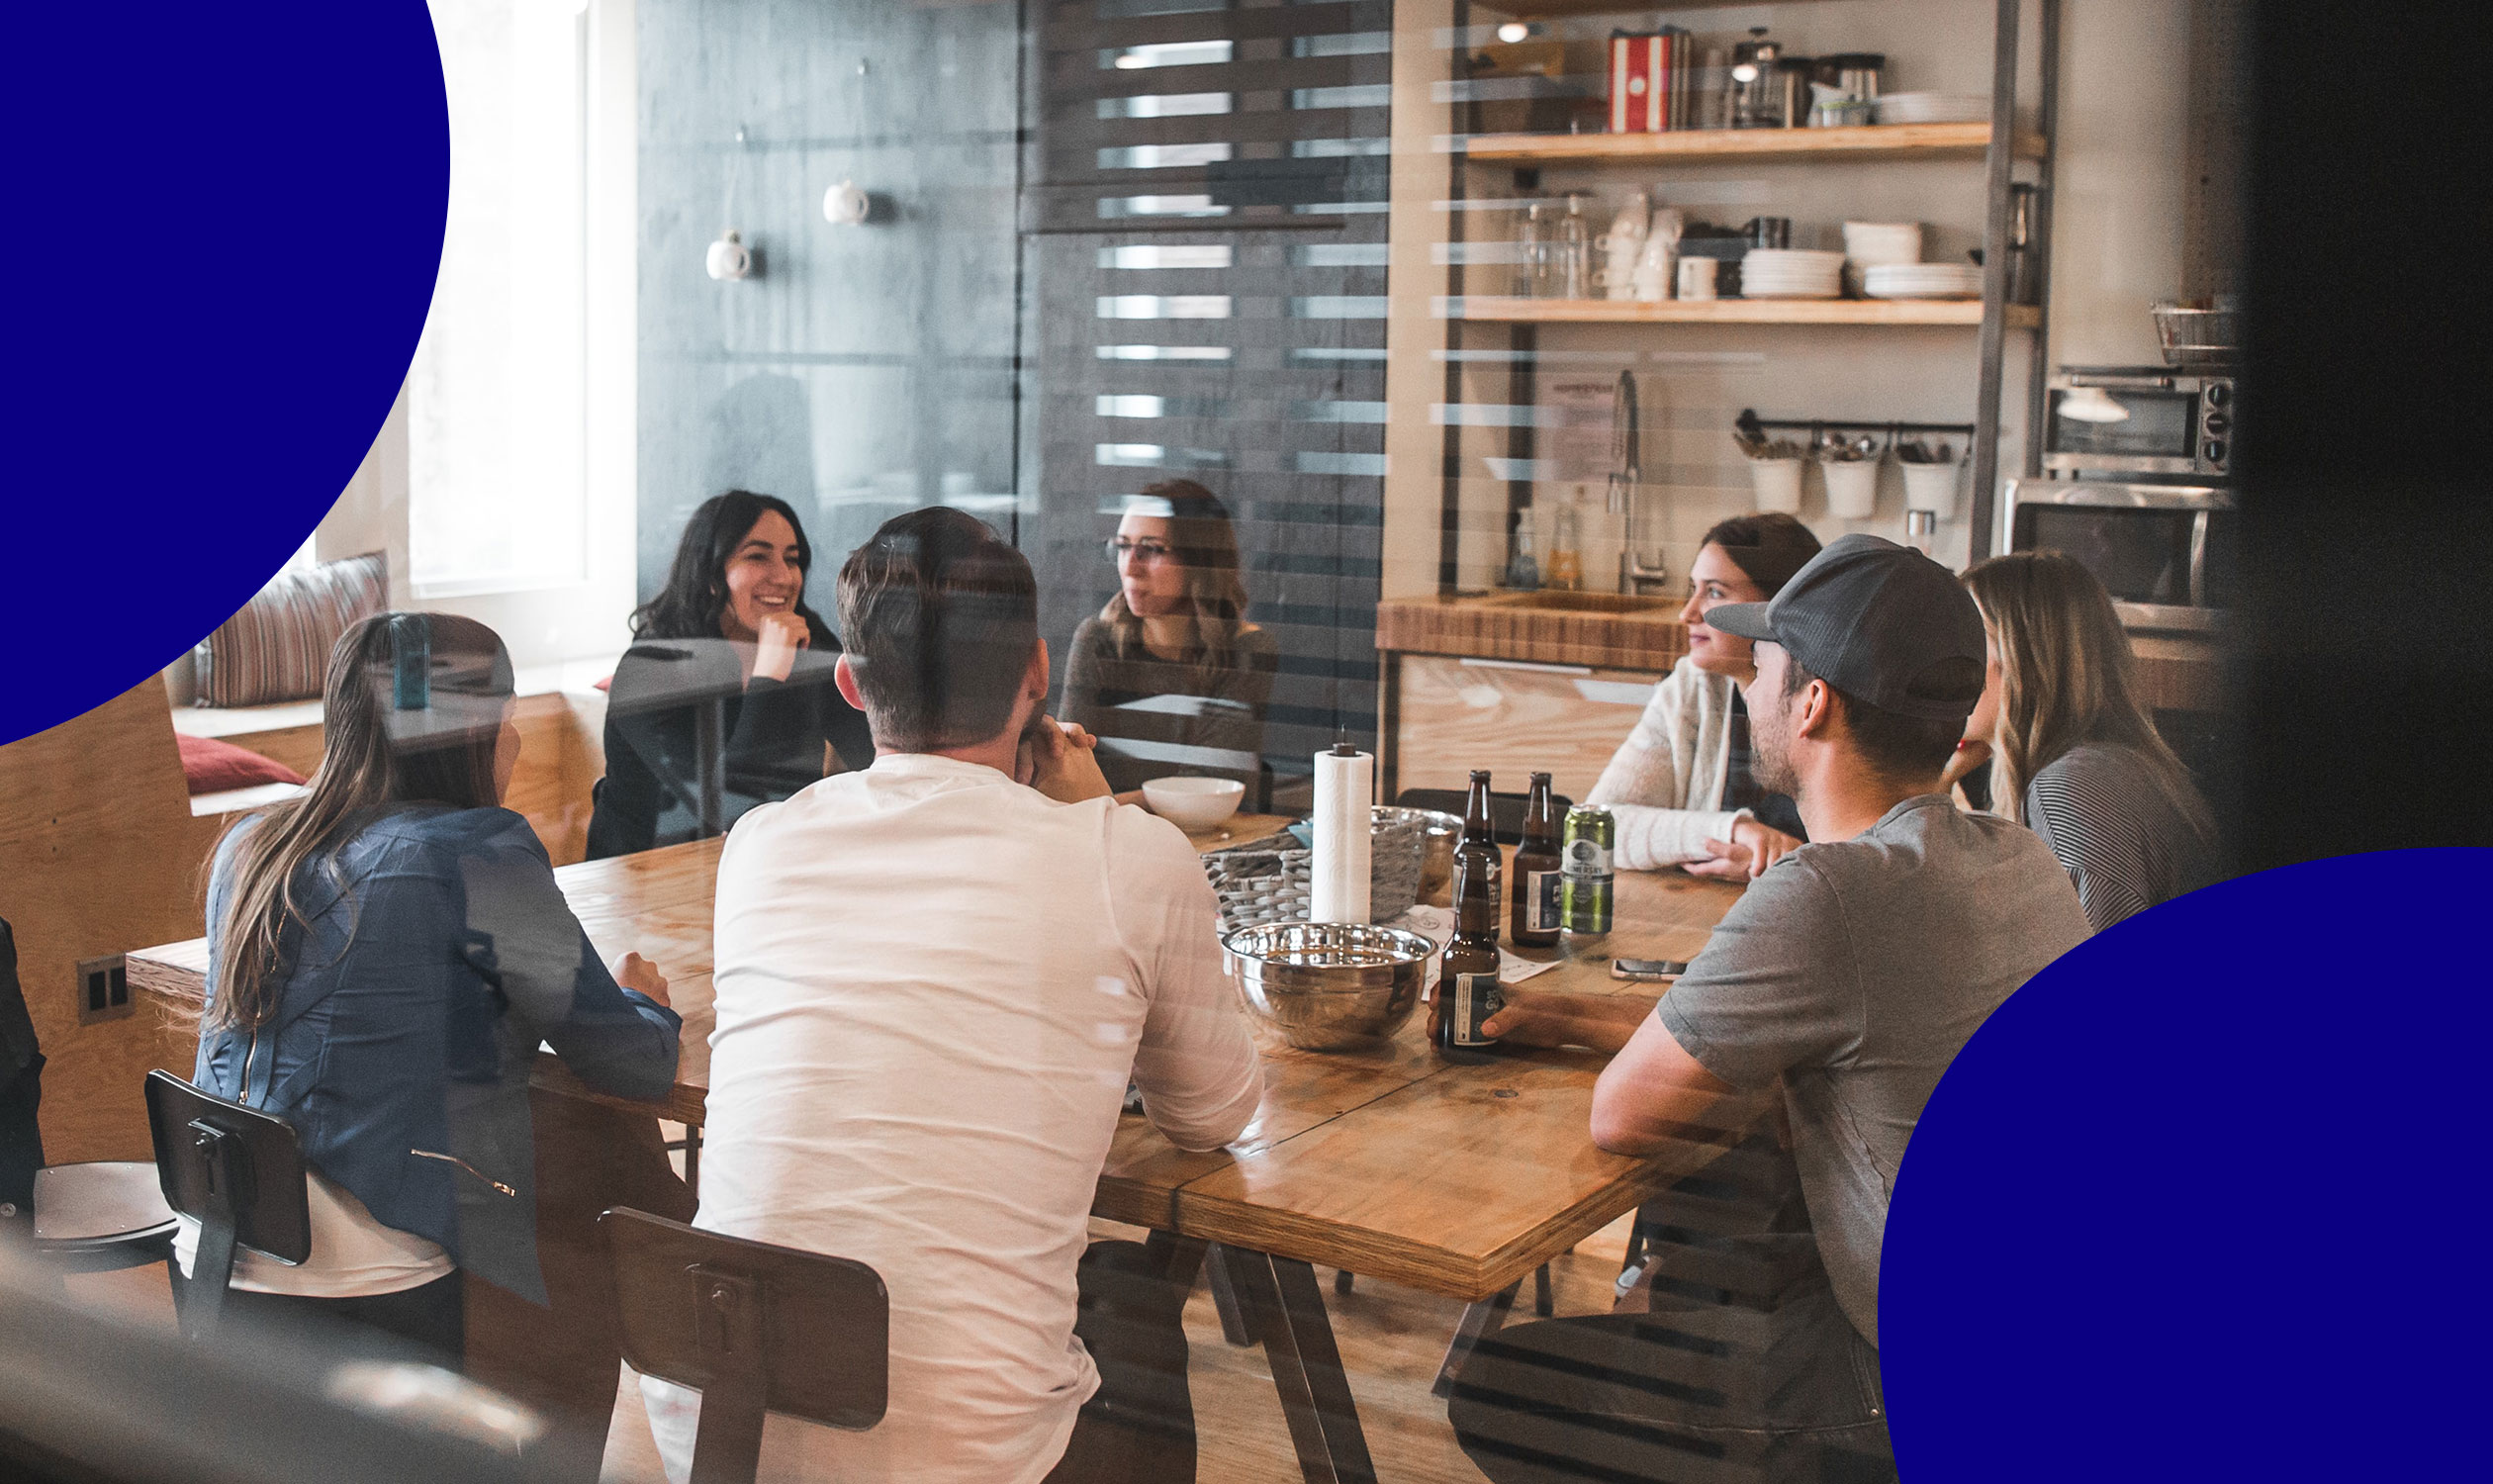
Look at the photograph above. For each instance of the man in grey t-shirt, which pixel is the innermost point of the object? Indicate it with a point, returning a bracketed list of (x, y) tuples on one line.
[(1852, 973)]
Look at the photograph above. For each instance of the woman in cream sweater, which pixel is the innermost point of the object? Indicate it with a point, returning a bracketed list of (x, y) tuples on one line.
[(1682, 786)]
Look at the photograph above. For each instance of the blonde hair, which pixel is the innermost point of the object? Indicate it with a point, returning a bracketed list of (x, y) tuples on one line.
[(2066, 678), (1203, 542)]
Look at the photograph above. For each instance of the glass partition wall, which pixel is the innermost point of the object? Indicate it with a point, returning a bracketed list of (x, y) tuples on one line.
[(1105, 245)]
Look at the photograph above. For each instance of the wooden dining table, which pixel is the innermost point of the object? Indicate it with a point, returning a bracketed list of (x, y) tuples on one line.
[(1387, 1161)]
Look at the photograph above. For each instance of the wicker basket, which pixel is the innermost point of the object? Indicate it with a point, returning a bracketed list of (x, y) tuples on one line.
[(1261, 883)]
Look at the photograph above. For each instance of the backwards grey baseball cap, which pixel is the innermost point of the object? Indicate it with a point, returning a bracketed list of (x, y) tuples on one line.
[(1878, 622)]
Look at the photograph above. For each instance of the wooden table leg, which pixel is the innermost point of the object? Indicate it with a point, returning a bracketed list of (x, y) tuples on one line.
[(1480, 1321), (1285, 1307), (1234, 1328)]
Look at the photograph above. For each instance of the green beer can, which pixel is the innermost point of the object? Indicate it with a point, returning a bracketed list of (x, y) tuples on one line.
[(1584, 881)]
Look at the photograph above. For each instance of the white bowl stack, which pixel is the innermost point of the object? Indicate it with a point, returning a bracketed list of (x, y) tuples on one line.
[(1871, 244), (1934, 108), (1790, 273), (1922, 281)]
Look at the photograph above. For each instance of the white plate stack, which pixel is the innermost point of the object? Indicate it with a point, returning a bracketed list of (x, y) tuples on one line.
[(1934, 108), (1871, 244), (1922, 281), (1790, 273)]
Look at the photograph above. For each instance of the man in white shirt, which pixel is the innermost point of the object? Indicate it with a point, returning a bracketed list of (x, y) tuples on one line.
[(935, 977)]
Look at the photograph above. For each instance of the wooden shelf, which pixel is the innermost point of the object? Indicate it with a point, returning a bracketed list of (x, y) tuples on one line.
[(1964, 312), (1630, 8), (1697, 145)]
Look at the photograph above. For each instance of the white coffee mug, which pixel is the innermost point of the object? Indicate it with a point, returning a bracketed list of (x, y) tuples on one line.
[(1697, 277), (728, 257), (1652, 281), (846, 203)]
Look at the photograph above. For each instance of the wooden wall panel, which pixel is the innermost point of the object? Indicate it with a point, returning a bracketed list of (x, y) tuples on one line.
[(98, 855), (1453, 717)]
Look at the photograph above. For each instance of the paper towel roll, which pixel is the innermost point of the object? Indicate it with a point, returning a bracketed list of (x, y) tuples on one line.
[(1338, 889)]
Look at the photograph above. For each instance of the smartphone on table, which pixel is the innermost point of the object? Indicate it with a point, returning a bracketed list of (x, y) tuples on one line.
[(1647, 970)]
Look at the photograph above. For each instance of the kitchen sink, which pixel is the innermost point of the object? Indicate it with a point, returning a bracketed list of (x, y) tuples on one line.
[(1583, 603)]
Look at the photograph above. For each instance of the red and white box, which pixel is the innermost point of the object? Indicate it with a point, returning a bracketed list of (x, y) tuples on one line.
[(1639, 82)]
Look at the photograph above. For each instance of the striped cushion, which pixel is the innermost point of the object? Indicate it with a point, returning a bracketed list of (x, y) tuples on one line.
[(277, 648)]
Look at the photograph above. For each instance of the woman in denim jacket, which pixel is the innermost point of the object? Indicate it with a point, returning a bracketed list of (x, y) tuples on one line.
[(387, 953)]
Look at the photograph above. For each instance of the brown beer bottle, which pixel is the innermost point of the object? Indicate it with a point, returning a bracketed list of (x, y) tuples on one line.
[(1538, 861), (1467, 976)]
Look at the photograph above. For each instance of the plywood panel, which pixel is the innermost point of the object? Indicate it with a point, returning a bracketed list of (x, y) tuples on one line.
[(98, 853), (1454, 716)]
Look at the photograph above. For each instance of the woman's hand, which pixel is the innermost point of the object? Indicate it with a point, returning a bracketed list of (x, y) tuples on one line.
[(637, 973), (1056, 758), (1752, 848), (780, 637), (1970, 754)]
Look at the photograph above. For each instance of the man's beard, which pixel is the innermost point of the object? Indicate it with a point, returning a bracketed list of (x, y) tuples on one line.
[(1769, 740)]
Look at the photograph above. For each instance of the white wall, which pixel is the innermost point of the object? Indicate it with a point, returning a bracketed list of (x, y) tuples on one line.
[(586, 620)]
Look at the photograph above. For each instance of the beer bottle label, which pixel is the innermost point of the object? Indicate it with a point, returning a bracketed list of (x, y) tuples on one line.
[(1541, 900), (1475, 999)]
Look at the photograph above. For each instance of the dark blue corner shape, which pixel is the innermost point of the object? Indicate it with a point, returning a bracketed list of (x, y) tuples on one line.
[(2204, 1200), (225, 225)]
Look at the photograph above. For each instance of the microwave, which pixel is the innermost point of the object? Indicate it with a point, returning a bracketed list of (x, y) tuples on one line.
[(2168, 553), (2112, 421)]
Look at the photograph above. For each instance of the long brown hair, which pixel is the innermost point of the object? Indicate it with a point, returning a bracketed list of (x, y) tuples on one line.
[(1203, 542), (2066, 678), (375, 754)]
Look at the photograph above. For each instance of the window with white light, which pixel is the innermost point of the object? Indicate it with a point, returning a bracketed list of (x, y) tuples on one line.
[(496, 408)]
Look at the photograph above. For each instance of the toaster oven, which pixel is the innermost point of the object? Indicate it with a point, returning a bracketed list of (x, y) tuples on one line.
[(2111, 422)]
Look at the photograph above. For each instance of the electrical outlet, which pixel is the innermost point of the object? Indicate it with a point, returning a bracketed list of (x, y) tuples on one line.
[(103, 989)]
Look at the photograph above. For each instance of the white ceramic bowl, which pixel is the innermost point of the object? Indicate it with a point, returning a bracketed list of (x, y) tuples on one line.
[(1193, 804)]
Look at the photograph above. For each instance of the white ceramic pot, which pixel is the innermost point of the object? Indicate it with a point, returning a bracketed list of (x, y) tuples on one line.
[(1778, 481), (1931, 486), (1852, 490)]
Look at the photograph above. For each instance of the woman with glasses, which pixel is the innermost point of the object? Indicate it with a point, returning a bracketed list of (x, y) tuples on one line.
[(1169, 676)]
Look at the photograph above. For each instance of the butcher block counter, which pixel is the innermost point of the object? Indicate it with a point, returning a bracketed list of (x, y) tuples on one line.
[(1552, 681)]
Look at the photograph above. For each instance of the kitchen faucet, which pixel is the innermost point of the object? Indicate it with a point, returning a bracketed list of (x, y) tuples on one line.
[(1627, 451)]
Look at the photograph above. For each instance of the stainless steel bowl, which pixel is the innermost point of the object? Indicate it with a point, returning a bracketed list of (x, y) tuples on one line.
[(1326, 986), (1440, 833)]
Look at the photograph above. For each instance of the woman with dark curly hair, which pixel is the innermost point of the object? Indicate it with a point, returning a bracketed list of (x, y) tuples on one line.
[(725, 698)]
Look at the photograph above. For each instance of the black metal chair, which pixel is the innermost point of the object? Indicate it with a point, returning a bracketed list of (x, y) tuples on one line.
[(753, 1326), (1505, 810), (239, 1173), (101, 1216)]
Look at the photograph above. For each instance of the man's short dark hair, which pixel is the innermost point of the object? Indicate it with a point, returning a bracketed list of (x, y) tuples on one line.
[(939, 616), (1898, 746)]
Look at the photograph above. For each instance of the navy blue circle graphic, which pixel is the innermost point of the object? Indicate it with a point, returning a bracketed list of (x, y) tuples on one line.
[(229, 220), (2200, 1200)]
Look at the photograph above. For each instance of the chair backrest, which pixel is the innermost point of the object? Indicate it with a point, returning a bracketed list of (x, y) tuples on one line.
[(1505, 810), (812, 1333), (219, 1161)]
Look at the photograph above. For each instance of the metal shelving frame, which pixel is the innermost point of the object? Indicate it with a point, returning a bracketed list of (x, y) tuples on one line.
[(1999, 159)]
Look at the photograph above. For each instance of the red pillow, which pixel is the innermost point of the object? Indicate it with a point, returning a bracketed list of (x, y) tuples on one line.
[(215, 767)]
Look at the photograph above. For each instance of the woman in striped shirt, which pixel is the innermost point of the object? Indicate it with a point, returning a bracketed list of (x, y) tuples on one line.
[(2074, 752)]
